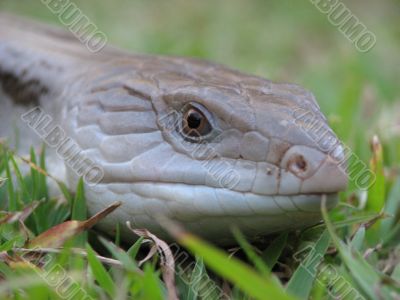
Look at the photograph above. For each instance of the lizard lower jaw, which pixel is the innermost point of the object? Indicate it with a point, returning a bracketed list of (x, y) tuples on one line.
[(206, 212)]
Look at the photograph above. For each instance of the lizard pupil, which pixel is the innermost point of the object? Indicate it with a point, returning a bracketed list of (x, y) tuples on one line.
[(194, 119), (195, 123)]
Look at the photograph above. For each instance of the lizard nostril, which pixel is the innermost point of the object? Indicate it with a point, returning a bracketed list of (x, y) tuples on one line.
[(297, 164), (302, 161)]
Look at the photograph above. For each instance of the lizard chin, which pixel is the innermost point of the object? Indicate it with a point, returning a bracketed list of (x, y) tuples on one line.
[(205, 211)]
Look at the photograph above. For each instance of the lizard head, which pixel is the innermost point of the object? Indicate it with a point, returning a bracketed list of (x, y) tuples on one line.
[(195, 141), (205, 145)]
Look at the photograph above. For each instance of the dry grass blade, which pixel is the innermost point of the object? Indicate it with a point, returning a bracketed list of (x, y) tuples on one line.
[(15, 261), (166, 257), (74, 251), (5, 257), (32, 165), (19, 215), (56, 236), (152, 252)]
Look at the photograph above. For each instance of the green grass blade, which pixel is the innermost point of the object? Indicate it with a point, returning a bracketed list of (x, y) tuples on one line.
[(100, 273), (79, 211), (363, 273), (300, 284), (12, 195), (26, 198), (151, 288), (358, 239), (392, 206), (198, 273), (274, 250), (34, 175), (396, 273), (251, 255), (235, 271), (376, 193), (43, 190), (128, 263), (134, 249)]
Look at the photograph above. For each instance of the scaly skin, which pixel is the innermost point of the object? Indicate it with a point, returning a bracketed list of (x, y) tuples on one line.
[(260, 168)]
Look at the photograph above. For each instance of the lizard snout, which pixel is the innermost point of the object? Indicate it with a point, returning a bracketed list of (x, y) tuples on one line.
[(318, 171)]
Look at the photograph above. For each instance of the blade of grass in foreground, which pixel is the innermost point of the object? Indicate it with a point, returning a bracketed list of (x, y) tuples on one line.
[(151, 288), (391, 207), (198, 273), (128, 263), (301, 283), (363, 273), (34, 174), (250, 253), (12, 197), (235, 271), (99, 272), (134, 249), (79, 212), (43, 190), (376, 193), (272, 253)]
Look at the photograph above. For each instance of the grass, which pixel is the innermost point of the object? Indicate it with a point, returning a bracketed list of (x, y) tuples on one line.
[(349, 256), (355, 253)]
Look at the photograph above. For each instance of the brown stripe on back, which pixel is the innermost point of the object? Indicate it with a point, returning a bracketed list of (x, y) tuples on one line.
[(26, 92)]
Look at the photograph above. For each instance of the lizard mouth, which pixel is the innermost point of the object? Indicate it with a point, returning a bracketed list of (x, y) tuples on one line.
[(185, 201), (207, 211), (221, 208), (313, 202)]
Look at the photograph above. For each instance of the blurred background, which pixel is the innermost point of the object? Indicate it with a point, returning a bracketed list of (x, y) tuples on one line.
[(282, 40)]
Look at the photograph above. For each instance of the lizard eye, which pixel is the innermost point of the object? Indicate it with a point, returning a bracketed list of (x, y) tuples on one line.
[(195, 122)]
